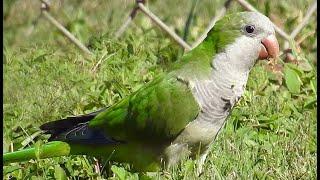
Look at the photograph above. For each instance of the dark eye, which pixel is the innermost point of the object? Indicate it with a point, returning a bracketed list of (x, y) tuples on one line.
[(249, 28)]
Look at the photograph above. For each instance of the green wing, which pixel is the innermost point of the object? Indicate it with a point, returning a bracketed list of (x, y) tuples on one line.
[(161, 109), (158, 111)]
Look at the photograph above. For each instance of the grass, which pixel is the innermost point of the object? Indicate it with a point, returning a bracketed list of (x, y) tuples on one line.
[(271, 133)]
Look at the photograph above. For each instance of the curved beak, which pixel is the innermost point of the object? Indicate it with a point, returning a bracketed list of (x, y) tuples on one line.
[(269, 47)]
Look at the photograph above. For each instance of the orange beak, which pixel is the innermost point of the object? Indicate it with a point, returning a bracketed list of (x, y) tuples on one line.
[(269, 47)]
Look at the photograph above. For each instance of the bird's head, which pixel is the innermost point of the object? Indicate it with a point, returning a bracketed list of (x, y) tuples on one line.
[(258, 29), (244, 37)]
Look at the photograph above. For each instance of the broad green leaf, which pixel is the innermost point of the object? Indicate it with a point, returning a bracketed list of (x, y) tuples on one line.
[(59, 173), (292, 80), (119, 171), (294, 67)]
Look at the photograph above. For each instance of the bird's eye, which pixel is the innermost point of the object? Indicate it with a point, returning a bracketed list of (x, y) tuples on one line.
[(249, 28)]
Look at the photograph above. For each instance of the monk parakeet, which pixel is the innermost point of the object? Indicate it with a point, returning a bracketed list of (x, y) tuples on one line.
[(177, 114)]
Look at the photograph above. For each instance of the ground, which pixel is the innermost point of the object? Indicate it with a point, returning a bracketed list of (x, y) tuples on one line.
[(271, 133)]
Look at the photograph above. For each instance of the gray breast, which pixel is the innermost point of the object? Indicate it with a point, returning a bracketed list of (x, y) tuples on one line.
[(218, 95)]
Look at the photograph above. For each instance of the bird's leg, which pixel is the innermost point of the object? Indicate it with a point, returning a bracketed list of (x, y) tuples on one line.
[(201, 161), (175, 152)]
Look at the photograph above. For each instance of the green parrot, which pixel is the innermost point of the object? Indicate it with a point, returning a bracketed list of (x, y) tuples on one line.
[(179, 113)]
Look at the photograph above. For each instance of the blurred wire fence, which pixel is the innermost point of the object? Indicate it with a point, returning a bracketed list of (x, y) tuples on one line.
[(140, 6)]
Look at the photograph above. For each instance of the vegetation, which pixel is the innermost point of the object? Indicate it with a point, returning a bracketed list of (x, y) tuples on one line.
[(271, 133)]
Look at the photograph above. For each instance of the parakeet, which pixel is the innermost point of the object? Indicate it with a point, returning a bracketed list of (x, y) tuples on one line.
[(176, 115)]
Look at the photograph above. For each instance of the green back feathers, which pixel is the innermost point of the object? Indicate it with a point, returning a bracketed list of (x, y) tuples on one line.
[(225, 32), (197, 62)]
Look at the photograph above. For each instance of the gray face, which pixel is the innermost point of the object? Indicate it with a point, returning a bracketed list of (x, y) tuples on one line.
[(262, 26), (244, 52)]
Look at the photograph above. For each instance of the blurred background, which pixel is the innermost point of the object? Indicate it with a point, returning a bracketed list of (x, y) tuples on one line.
[(270, 134)]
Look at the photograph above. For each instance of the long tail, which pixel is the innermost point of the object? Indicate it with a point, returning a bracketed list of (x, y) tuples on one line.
[(64, 133), (51, 149)]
